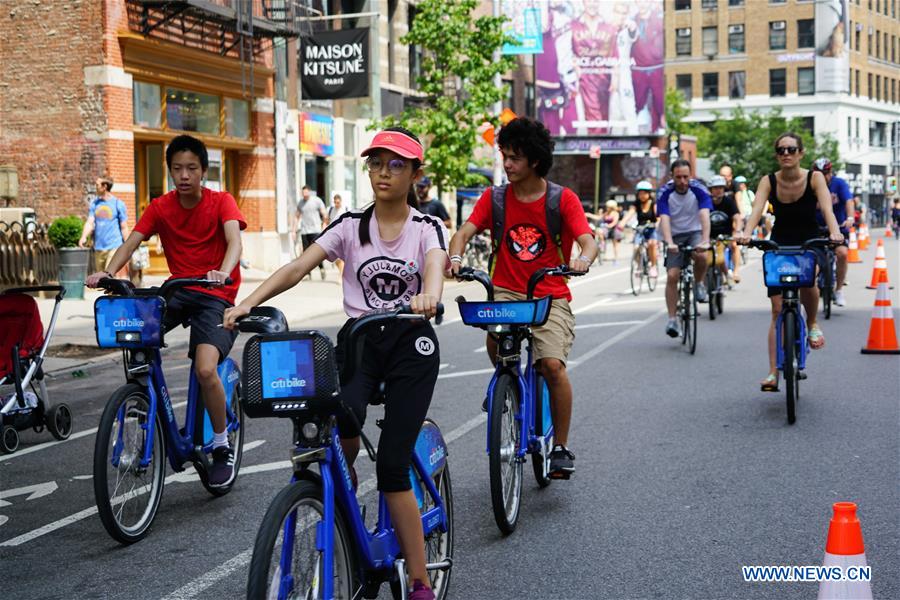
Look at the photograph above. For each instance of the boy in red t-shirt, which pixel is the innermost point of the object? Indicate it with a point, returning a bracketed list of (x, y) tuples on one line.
[(527, 246), (200, 230)]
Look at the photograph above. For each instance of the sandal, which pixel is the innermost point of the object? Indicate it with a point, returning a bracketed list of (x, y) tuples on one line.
[(816, 338), (769, 384), (737, 278)]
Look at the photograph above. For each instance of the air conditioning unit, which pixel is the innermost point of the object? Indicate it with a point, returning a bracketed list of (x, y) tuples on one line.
[(683, 32), (779, 25), (735, 29)]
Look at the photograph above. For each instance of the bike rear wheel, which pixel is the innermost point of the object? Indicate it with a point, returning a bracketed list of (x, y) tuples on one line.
[(505, 468), (127, 493), (637, 272), (789, 366), (296, 512)]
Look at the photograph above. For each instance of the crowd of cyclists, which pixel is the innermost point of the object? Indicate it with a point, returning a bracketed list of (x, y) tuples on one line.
[(392, 238)]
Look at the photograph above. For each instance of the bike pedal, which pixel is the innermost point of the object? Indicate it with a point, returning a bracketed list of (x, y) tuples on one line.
[(801, 375), (561, 475)]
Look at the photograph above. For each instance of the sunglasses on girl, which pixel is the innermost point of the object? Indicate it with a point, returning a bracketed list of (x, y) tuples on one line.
[(395, 166), (782, 150)]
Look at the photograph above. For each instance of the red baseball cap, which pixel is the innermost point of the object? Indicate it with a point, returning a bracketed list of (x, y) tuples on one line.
[(395, 141)]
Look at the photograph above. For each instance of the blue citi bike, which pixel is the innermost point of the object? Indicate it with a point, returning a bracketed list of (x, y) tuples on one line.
[(790, 268), (138, 428), (313, 542), (518, 404)]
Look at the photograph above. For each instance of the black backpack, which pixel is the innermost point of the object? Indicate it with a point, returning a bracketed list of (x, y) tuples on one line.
[(551, 209)]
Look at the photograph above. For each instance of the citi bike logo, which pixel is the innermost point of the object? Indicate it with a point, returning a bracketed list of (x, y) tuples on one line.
[(790, 269), (126, 322), (436, 455), (282, 383), (497, 313)]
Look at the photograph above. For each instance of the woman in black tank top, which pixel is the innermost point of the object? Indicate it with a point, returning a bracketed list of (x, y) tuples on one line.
[(794, 193), (645, 211)]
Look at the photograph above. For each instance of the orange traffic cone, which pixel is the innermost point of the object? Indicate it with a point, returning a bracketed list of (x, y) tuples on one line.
[(863, 236), (882, 333), (880, 266), (844, 549), (888, 232), (853, 254)]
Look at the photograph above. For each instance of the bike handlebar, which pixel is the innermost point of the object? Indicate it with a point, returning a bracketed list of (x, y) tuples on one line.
[(770, 245), (124, 287), (559, 271), (471, 274)]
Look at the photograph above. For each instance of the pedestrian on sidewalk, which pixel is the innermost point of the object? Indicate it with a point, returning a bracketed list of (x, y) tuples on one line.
[(334, 213), (107, 222), (309, 219)]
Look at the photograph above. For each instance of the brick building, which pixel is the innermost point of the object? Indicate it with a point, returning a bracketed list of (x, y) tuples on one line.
[(99, 86), (760, 54)]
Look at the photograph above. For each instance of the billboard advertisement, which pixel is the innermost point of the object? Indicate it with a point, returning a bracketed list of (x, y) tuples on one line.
[(601, 69), (523, 22), (832, 46), (335, 64)]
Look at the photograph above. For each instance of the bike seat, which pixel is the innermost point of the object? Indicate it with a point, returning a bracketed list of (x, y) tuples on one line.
[(264, 319)]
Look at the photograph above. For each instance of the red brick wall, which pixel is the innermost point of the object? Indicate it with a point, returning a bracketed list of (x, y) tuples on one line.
[(47, 115)]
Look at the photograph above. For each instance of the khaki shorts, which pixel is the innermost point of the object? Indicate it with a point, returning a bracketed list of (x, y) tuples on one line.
[(102, 258), (554, 338)]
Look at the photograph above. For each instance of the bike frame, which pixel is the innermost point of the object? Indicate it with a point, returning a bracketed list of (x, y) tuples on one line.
[(180, 447), (379, 548), (790, 302), (527, 384)]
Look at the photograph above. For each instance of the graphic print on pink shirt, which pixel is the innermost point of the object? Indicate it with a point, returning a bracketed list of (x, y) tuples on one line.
[(382, 274)]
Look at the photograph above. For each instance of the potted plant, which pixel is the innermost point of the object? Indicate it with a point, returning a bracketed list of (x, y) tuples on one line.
[(64, 234)]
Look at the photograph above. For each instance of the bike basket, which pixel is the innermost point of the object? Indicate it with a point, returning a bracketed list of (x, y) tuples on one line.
[(516, 312), (789, 268), (289, 374), (129, 322)]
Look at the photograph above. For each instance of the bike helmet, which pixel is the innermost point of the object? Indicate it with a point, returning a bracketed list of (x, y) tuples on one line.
[(612, 204), (644, 185), (822, 164), (717, 181), (740, 179)]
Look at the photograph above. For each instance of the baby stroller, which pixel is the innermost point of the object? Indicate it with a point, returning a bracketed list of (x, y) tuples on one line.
[(22, 349)]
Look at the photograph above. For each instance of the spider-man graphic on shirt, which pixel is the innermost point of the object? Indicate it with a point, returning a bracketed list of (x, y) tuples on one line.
[(525, 241)]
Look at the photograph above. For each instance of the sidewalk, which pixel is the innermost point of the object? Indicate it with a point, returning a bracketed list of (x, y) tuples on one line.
[(75, 324)]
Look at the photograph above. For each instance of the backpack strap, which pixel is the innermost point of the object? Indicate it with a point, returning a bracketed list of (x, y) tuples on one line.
[(498, 200), (554, 216)]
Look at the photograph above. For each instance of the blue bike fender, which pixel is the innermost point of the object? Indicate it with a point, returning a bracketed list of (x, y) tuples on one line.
[(431, 448), (229, 373)]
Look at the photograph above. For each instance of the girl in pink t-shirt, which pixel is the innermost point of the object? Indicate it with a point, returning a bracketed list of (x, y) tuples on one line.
[(393, 255)]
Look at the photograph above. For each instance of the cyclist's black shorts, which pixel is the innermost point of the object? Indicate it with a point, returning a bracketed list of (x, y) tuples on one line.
[(405, 356), (204, 314)]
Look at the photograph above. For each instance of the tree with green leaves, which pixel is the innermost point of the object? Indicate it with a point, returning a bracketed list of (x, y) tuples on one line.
[(457, 77), (745, 140)]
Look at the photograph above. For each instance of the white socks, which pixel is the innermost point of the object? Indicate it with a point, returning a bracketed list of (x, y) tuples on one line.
[(220, 439)]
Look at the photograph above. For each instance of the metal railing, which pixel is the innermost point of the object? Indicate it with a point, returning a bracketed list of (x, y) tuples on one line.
[(26, 255)]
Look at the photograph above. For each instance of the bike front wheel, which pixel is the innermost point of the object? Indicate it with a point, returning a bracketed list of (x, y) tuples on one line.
[(439, 544), (791, 376), (504, 464), (712, 282), (128, 486), (293, 568), (637, 272)]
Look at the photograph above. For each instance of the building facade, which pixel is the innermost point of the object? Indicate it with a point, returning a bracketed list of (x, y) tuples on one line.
[(759, 54)]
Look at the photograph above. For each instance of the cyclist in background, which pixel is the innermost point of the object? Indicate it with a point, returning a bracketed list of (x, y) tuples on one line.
[(390, 238), (683, 205), (201, 232), (794, 194), (645, 211), (842, 207), (526, 246), (725, 203), (743, 196)]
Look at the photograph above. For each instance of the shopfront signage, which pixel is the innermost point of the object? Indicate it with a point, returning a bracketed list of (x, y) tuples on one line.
[(335, 64), (316, 134)]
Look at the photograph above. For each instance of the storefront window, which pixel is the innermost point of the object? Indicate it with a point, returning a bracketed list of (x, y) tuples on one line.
[(237, 118), (192, 111), (146, 104)]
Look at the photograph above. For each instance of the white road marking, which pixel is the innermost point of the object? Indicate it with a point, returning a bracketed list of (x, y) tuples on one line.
[(37, 490), (198, 585), (586, 307), (608, 324), (639, 300), (465, 373), (185, 476)]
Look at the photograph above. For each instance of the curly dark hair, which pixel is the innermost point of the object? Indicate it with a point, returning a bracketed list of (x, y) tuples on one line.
[(529, 137)]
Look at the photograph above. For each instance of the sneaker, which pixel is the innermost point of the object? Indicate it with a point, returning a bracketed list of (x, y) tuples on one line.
[(673, 328), (839, 298), (562, 462), (654, 272), (221, 473), (702, 295), (420, 592)]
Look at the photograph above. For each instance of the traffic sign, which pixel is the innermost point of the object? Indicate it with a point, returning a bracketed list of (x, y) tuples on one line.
[(595, 151), (654, 152)]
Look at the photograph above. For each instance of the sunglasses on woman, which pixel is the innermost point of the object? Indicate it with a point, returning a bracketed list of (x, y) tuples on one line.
[(395, 166), (782, 150)]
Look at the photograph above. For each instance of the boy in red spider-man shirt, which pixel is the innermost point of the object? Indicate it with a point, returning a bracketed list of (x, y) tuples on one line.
[(526, 246)]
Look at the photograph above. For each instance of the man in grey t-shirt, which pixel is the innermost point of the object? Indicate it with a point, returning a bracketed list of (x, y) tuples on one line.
[(309, 220), (683, 206)]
